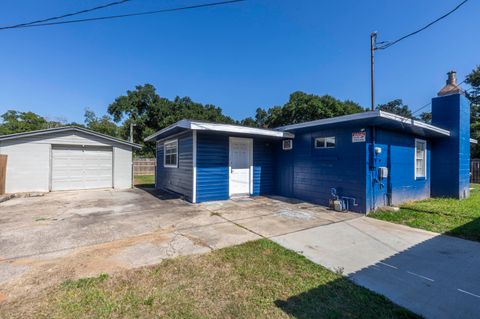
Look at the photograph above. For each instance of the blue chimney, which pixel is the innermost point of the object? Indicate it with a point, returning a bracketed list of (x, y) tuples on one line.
[(450, 161)]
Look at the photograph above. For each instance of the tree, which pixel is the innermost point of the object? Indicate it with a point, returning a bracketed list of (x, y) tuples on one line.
[(19, 122), (426, 117), (102, 125), (396, 107), (149, 112), (303, 107), (474, 96)]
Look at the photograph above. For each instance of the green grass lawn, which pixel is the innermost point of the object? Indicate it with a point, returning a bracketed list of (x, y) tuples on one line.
[(258, 279), (459, 218), (147, 181)]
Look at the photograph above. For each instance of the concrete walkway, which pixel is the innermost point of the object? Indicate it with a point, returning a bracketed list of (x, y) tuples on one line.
[(433, 275)]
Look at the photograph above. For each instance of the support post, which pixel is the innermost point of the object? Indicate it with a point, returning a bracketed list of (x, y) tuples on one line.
[(373, 40)]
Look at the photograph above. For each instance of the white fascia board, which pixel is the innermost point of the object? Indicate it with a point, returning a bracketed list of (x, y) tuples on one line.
[(181, 124), (238, 129), (66, 129), (332, 120), (412, 122), (228, 128), (366, 115)]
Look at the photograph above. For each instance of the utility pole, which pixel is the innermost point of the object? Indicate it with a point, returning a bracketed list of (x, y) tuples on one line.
[(131, 132), (373, 41)]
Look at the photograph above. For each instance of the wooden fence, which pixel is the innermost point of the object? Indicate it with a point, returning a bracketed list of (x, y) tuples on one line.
[(144, 166), (3, 173), (475, 171)]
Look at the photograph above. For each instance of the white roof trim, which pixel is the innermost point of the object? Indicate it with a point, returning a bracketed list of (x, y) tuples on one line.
[(66, 129), (203, 126), (473, 141), (366, 115)]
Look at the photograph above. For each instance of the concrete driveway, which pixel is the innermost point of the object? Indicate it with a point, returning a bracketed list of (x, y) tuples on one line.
[(433, 275), (63, 235)]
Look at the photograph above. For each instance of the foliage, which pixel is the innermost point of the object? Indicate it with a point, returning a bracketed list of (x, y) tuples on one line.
[(426, 117), (454, 217), (102, 124), (474, 96), (302, 107), (149, 112), (396, 107), (19, 122)]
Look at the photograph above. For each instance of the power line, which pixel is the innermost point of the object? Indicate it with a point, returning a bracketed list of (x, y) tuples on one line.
[(22, 25), (429, 103), (204, 5), (390, 43)]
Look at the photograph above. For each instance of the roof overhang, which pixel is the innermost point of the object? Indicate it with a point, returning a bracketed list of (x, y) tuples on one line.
[(185, 125), (67, 129), (375, 118)]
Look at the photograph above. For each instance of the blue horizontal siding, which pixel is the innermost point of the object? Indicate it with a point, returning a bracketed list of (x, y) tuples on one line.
[(308, 173), (398, 155), (177, 179), (263, 167), (212, 167)]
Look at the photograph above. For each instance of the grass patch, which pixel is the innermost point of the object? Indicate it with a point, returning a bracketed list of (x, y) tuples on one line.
[(460, 218), (146, 181), (258, 279)]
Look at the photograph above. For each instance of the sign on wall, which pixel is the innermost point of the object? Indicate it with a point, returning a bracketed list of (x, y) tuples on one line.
[(359, 137)]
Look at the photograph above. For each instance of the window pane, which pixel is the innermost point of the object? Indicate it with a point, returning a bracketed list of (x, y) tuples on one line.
[(330, 142), (319, 142)]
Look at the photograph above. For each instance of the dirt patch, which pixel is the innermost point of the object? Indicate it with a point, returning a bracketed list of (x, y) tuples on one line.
[(81, 262)]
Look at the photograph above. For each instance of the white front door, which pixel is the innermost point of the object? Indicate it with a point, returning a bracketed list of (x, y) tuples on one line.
[(81, 167), (241, 154)]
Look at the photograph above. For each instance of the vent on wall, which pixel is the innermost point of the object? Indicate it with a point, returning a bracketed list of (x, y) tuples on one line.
[(287, 144)]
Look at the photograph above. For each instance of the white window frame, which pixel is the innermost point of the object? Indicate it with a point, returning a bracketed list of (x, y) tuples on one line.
[(165, 153), (289, 146), (324, 142), (424, 142)]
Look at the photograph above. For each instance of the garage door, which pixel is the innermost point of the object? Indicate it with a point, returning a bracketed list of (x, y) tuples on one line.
[(81, 167)]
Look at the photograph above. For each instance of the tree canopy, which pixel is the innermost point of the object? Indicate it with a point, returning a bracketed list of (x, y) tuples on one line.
[(149, 112), (302, 107), (19, 122), (396, 107), (474, 96)]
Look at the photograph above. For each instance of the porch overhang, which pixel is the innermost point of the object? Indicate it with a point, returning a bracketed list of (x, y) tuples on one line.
[(186, 125)]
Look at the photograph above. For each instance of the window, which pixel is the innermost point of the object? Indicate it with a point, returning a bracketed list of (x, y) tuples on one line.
[(287, 144), (170, 154), (420, 158), (325, 142)]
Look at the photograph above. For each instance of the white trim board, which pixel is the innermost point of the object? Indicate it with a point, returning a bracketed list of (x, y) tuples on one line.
[(227, 128), (66, 129), (367, 115), (194, 164)]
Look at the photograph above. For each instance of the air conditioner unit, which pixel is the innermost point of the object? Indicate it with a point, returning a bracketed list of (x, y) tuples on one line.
[(287, 144)]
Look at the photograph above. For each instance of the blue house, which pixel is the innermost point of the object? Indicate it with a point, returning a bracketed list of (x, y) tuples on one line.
[(364, 160)]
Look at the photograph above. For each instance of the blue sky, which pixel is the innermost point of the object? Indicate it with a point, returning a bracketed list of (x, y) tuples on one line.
[(238, 57)]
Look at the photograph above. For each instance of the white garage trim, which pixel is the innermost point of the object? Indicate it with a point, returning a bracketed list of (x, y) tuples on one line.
[(31, 164)]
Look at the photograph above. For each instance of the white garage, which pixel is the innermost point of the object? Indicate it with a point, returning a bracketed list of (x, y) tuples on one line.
[(66, 158)]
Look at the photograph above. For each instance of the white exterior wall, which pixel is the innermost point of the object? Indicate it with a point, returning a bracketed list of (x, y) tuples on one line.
[(28, 167), (122, 167), (29, 160)]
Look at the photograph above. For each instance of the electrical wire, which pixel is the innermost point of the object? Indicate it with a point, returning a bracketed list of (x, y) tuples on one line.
[(429, 103), (22, 25), (390, 43), (134, 14)]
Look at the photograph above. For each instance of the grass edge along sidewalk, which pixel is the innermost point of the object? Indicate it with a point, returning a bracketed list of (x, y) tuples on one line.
[(258, 279), (459, 218)]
